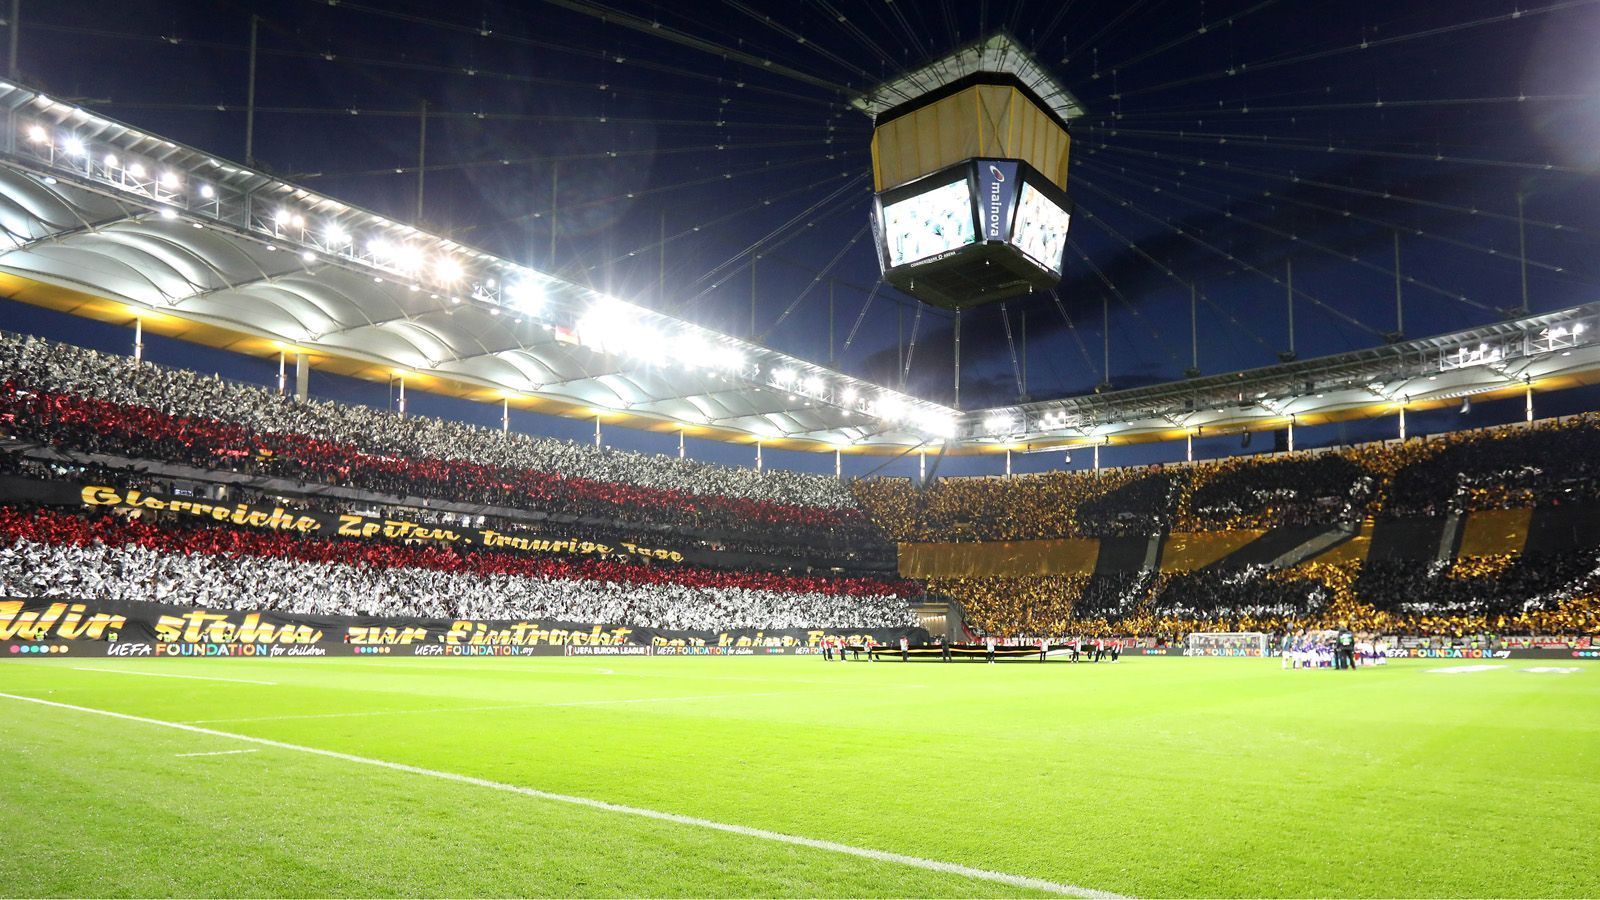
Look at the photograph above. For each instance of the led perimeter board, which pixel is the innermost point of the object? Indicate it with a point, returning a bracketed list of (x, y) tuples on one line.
[(973, 233)]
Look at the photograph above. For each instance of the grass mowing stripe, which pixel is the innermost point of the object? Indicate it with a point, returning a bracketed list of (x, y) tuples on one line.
[(170, 675), (931, 865), (361, 714)]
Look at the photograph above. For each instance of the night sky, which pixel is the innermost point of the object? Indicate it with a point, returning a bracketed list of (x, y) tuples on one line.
[(1223, 141)]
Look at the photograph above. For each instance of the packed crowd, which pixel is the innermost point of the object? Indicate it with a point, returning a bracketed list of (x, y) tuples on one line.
[(46, 553), (85, 401), (1557, 462), (1537, 594), (1549, 463)]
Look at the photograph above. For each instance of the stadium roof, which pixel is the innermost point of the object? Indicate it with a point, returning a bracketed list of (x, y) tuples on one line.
[(105, 220), (97, 207), (997, 54)]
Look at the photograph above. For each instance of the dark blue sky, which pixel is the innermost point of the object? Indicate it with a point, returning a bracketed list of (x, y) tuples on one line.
[(1223, 141)]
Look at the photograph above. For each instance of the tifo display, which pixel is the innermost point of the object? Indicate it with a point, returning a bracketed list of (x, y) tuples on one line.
[(132, 483)]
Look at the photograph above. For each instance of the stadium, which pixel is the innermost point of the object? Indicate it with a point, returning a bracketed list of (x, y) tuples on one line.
[(616, 448)]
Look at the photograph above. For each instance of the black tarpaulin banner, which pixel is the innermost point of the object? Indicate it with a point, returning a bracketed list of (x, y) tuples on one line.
[(221, 632), (316, 523)]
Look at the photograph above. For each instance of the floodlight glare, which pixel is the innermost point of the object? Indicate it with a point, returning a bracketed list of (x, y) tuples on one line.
[(526, 295), (75, 147), (136, 170), (447, 269), (38, 135), (207, 191)]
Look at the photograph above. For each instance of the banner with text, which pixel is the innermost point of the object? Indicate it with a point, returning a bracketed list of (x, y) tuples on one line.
[(317, 523), (113, 628)]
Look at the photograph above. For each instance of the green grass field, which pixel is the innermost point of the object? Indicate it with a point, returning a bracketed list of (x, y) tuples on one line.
[(1149, 777)]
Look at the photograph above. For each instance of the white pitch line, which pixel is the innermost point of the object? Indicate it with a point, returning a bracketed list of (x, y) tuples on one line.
[(168, 675), (916, 862), (218, 753)]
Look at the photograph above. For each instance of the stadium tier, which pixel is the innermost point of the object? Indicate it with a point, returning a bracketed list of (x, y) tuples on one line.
[(1549, 464), (112, 408)]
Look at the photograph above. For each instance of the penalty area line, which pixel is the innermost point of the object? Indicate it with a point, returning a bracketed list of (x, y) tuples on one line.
[(169, 675), (916, 862)]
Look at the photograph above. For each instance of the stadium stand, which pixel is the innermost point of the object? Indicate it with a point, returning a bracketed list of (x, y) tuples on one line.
[(1388, 537)]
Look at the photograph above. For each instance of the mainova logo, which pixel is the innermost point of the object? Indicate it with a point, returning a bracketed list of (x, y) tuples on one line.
[(997, 177)]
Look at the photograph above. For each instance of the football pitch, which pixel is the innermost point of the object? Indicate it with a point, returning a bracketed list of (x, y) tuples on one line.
[(792, 776)]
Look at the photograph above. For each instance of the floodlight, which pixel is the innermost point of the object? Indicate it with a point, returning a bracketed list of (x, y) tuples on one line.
[(526, 294), (447, 269)]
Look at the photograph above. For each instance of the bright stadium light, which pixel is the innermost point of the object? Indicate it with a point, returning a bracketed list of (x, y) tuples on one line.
[(111, 161), (814, 385), (693, 350), (308, 256), (38, 135), (783, 376), (407, 258), (528, 296), (136, 170), (998, 423), (336, 235), (169, 180), (446, 269), (168, 212), (730, 359), (281, 218), (75, 147), (207, 191)]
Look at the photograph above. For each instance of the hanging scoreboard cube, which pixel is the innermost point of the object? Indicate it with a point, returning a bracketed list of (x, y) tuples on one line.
[(969, 162)]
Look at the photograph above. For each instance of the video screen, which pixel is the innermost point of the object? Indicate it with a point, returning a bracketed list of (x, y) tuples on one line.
[(929, 223), (1041, 229)]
